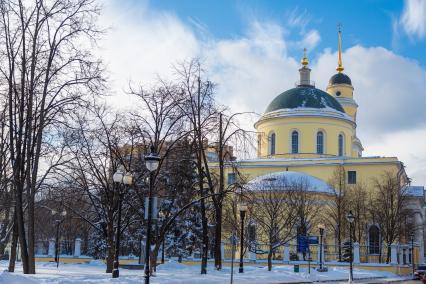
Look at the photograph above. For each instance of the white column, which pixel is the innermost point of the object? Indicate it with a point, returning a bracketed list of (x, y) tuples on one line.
[(401, 254), (77, 247), (394, 254), (407, 255), (51, 251), (419, 236), (357, 259), (222, 250), (318, 253), (286, 253), (252, 256)]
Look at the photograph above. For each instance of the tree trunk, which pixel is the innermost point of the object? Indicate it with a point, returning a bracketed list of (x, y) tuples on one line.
[(205, 238), (31, 234), (153, 258), (270, 259), (14, 244), (219, 199), (218, 239), (110, 248), (21, 230)]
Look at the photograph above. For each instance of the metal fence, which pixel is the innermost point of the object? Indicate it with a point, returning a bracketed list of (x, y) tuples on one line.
[(367, 254)]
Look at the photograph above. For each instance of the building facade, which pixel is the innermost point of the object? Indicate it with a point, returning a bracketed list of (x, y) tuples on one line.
[(308, 132)]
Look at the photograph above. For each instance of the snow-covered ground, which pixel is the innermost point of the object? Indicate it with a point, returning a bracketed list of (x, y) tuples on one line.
[(175, 273)]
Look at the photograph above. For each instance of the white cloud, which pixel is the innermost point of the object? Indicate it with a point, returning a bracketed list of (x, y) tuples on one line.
[(413, 19), (254, 68)]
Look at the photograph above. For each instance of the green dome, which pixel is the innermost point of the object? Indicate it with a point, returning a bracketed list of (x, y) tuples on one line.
[(304, 97)]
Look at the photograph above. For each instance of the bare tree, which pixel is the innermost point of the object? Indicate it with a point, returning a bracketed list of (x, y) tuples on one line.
[(47, 70), (389, 205), (303, 200), (272, 213), (229, 134), (99, 145), (200, 111), (358, 196), (335, 211)]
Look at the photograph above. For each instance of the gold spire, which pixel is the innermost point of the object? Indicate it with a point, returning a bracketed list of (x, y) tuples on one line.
[(339, 67), (304, 60)]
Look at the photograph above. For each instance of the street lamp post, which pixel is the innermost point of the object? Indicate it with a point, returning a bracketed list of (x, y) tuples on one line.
[(321, 267), (243, 209), (351, 218), (151, 162), (58, 224), (162, 219), (412, 252), (120, 178)]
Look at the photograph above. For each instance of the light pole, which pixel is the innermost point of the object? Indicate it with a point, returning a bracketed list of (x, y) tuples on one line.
[(351, 218), (119, 177), (321, 268), (412, 252), (162, 219), (58, 224), (243, 209), (151, 162)]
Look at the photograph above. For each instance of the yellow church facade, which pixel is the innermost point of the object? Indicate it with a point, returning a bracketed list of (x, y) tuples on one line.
[(312, 132)]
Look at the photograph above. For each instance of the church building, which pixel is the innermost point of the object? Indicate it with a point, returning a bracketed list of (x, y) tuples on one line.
[(307, 132)]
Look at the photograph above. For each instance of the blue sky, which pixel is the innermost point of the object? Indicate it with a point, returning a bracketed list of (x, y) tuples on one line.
[(364, 22), (252, 49)]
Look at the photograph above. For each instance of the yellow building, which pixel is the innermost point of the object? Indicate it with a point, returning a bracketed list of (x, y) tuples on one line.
[(312, 132)]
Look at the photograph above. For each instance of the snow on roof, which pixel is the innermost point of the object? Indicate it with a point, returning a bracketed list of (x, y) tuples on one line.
[(283, 180), (415, 190)]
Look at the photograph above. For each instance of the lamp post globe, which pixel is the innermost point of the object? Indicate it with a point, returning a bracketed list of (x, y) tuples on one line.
[(152, 160)]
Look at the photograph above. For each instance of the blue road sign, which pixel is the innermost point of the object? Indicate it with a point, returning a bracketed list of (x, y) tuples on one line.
[(313, 240), (302, 244)]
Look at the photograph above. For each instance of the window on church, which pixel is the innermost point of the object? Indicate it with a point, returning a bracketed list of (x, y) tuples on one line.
[(295, 142), (351, 177), (320, 142), (341, 144), (374, 240), (272, 144)]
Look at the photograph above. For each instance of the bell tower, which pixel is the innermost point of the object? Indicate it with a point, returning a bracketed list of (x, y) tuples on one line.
[(340, 85)]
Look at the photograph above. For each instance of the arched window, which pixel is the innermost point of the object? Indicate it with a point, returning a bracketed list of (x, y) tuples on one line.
[(374, 240), (272, 144), (341, 145), (295, 142), (320, 142)]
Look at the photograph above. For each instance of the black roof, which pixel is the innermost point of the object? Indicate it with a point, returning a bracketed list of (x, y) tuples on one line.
[(340, 78), (304, 96)]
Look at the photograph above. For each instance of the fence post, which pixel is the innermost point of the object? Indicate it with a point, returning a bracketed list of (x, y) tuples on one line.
[(51, 250), (222, 250), (357, 259), (394, 254), (286, 253), (77, 247)]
